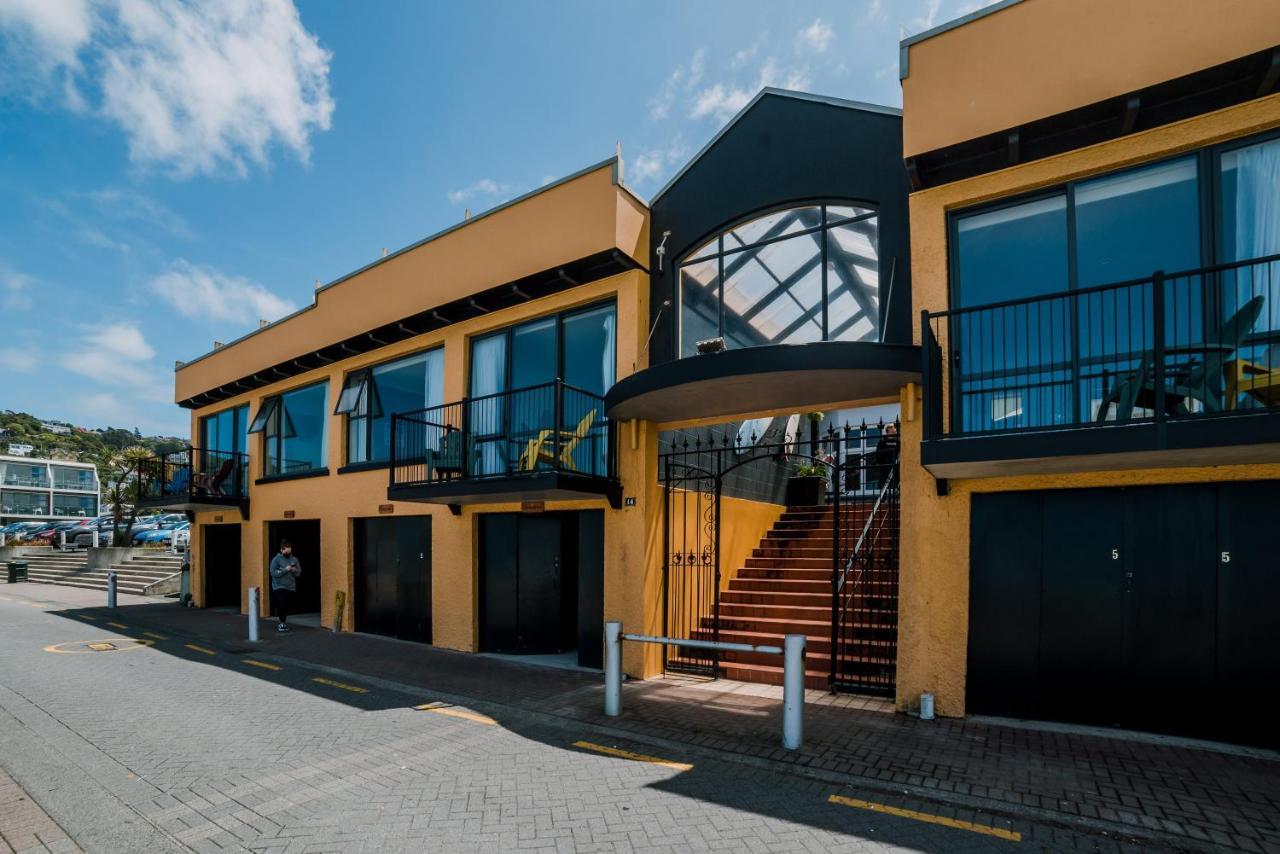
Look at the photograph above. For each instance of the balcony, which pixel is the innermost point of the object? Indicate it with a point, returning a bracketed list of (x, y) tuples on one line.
[(544, 442), (195, 480), (1175, 369)]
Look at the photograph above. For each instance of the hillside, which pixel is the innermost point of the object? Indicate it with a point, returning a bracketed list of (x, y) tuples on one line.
[(58, 440)]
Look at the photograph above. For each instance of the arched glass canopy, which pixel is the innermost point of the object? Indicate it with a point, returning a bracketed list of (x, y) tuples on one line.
[(792, 276)]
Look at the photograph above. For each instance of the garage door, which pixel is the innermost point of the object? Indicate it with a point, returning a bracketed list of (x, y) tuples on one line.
[(1144, 607), (393, 577)]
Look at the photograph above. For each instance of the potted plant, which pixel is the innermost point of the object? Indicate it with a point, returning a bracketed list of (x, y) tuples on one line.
[(807, 486)]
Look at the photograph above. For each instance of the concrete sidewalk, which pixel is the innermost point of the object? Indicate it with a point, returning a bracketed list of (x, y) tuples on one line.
[(1144, 789)]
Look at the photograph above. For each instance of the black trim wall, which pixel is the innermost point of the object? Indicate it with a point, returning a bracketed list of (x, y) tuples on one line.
[(551, 281), (786, 151), (1216, 88)]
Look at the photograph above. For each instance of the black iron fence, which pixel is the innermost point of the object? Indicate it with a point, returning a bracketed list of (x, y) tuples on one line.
[(1190, 344), (548, 427), (841, 483), (192, 475), (864, 584)]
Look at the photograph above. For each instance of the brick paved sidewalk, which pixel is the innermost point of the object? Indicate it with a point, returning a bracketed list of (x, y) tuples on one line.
[(1160, 790), (24, 826)]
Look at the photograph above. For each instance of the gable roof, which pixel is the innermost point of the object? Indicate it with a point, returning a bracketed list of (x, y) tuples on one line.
[(781, 93)]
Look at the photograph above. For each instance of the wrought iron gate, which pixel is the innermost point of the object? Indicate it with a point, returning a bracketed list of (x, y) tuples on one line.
[(859, 466)]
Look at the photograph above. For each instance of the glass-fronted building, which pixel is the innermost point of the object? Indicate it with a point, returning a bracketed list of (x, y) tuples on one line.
[(32, 489)]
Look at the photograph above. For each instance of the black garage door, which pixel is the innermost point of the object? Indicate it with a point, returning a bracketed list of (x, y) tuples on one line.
[(393, 577), (1145, 607)]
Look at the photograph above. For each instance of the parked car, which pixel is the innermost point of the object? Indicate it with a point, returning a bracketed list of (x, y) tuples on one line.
[(182, 538), (17, 532), (52, 533), (162, 534), (82, 535)]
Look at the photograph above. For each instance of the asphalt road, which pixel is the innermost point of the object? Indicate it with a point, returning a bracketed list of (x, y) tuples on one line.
[(168, 745)]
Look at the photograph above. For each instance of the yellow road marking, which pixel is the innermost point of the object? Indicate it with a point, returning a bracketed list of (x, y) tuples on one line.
[(261, 664), (454, 712), (199, 649), (1011, 835), (86, 617), (156, 636), (635, 757), (117, 625), (34, 604), (355, 689)]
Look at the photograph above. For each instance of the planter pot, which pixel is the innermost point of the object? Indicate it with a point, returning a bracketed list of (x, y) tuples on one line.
[(806, 491)]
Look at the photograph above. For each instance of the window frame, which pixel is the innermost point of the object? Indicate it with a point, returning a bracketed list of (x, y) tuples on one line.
[(692, 256), (559, 317), (370, 392), (1208, 161), (262, 422)]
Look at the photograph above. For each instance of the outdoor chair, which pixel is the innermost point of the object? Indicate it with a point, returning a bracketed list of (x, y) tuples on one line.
[(180, 482), (1193, 380), (1260, 381), (450, 459), (212, 484), (542, 449)]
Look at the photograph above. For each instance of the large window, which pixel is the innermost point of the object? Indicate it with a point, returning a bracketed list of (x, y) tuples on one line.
[(24, 503), (226, 432), (65, 477), (1053, 343), (24, 474), (372, 395), (74, 505), (512, 372), (809, 273), (294, 426)]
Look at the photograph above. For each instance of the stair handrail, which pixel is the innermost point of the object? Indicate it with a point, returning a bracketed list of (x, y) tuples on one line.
[(866, 528)]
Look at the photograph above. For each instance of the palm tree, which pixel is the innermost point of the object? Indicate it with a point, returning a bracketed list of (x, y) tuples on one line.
[(125, 491)]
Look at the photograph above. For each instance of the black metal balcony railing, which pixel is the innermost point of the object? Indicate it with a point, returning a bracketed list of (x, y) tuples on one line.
[(548, 427), (196, 474), (1192, 344)]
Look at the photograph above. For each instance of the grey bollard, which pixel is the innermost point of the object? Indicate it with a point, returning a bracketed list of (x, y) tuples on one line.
[(111, 589), (612, 668), (793, 691), (254, 593), (62, 540), (95, 539)]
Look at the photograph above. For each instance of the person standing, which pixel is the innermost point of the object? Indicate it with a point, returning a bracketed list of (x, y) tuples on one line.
[(284, 572)]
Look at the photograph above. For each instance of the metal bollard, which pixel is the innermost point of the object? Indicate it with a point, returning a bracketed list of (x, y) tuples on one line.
[(95, 539), (254, 593), (613, 668), (111, 589), (793, 691), (2, 536), (62, 540)]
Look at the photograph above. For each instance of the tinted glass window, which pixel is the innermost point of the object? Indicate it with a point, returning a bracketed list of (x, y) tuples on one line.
[(1132, 224), (1011, 252), (296, 434), (405, 385)]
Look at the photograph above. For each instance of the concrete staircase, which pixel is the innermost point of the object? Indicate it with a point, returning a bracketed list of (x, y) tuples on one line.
[(70, 569), (785, 588)]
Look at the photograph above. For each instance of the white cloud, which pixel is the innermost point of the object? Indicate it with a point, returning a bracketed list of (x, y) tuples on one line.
[(15, 289), (817, 36), (23, 361), (683, 79), (46, 32), (114, 354), (483, 187), (196, 88), (125, 204), (203, 293), (94, 237), (652, 163), (721, 101)]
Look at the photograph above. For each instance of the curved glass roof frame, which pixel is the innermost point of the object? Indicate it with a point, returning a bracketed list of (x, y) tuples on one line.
[(794, 274)]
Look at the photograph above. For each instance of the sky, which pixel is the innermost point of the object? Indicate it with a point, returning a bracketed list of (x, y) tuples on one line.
[(173, 173)]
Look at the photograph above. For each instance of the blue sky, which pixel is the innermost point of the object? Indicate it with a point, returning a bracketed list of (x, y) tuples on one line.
[(171, 173)]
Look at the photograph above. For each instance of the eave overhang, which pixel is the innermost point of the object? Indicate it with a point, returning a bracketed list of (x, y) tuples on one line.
[(764, 379)]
